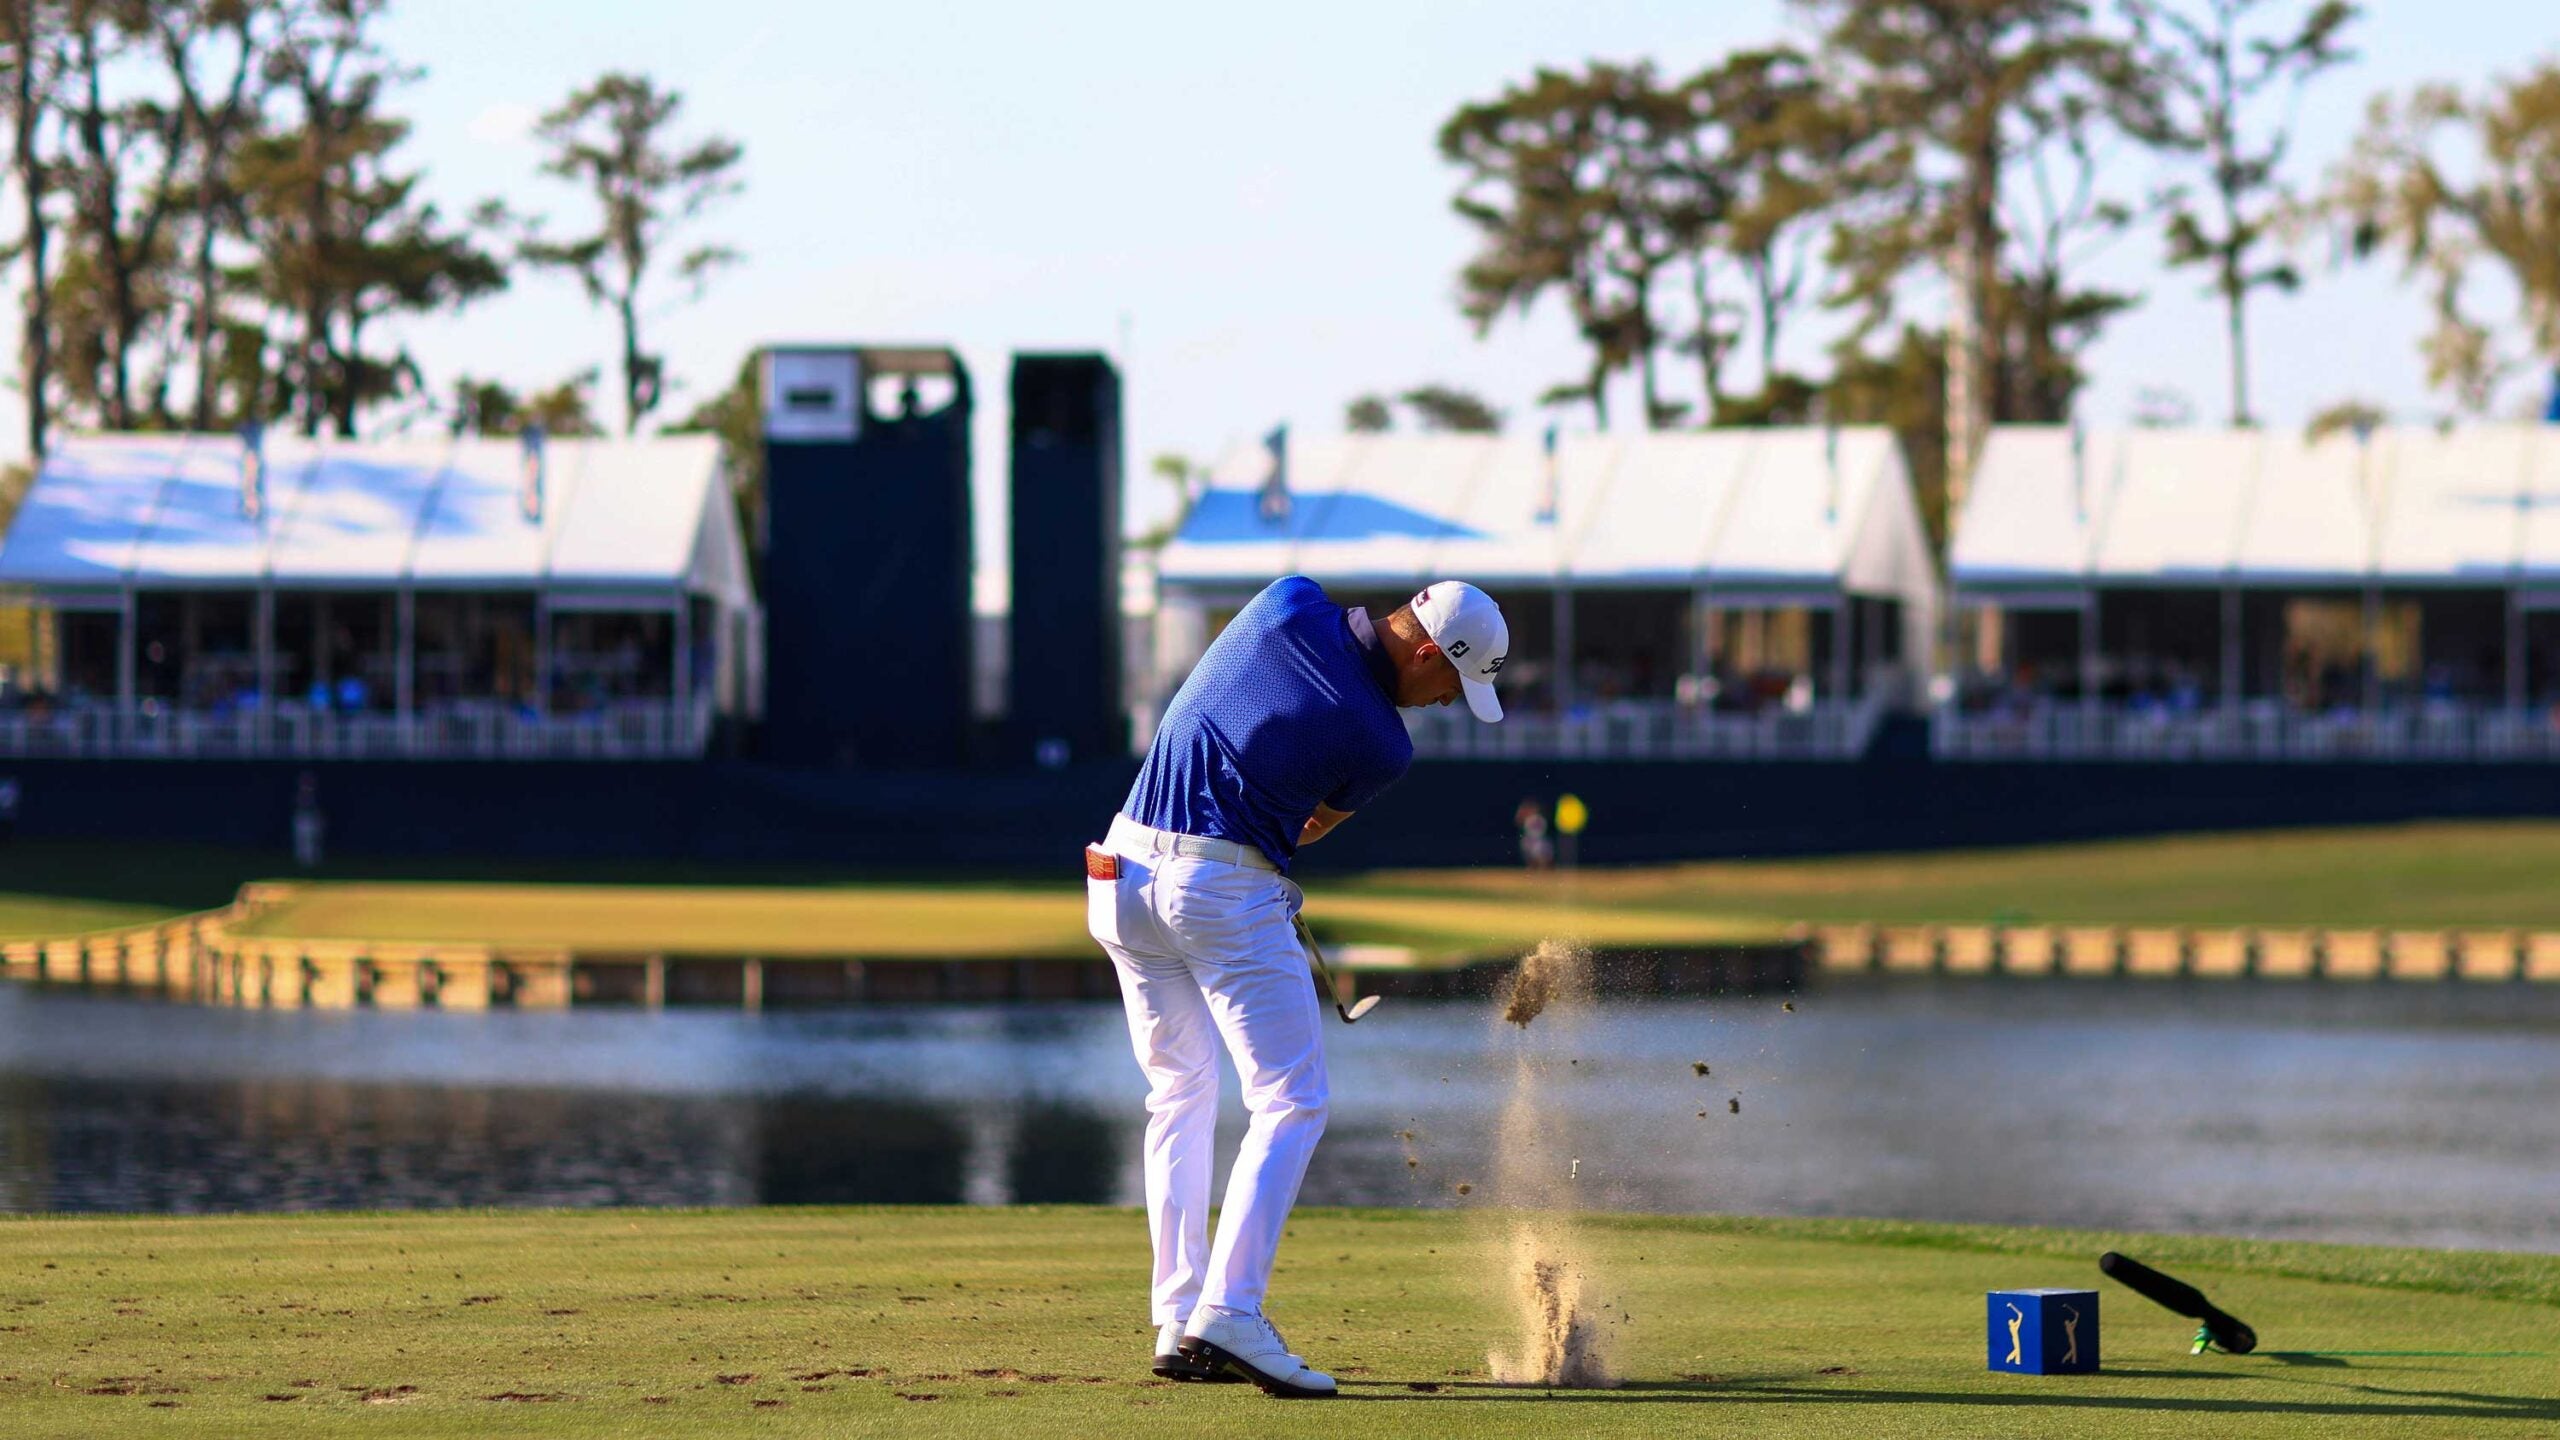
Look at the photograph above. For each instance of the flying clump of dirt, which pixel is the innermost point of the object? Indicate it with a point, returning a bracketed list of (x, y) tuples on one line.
[(1554, 971), (1411, 1141)]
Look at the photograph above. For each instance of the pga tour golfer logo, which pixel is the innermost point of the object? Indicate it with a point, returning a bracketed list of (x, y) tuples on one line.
[(2044, 1331), (2070, 1336)]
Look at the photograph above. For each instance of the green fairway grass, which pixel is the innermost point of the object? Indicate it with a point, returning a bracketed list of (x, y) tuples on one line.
[(2430, 875), (1031, 1323)]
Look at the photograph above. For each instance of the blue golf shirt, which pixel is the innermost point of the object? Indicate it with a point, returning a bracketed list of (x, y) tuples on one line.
[(1292, 706)]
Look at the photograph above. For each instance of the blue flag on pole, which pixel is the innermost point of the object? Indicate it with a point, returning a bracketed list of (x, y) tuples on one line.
[(253, 470), (1275, 486), (1548, 482), (529, 480)]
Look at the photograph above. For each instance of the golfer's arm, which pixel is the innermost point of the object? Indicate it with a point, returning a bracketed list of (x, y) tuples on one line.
[(1321, 823)]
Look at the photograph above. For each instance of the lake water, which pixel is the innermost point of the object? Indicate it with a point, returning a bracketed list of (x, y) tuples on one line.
[(2427, 1116)]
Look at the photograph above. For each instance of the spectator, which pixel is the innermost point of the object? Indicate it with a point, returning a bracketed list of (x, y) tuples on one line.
[(1537, 847), (307, 822)]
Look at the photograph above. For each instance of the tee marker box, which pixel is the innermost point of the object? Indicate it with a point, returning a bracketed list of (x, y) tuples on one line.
[(2043, 1332)]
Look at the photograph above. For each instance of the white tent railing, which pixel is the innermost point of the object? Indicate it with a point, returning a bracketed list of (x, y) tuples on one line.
[(626, 730), (2450, 731), (1652, 730)]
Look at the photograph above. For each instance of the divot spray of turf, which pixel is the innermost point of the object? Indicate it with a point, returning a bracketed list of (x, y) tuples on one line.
[(1555, 1299)]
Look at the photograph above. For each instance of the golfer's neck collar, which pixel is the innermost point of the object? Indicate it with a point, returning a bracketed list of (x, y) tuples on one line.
[(1382, 666)]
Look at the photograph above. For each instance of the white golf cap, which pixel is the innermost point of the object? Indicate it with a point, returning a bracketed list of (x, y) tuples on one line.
[(1469, 629)]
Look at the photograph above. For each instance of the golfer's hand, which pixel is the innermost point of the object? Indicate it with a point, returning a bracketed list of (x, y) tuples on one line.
[(1318, 824)]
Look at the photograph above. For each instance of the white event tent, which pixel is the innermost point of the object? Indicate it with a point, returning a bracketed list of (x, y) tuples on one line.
[(215, 594), (2414, 565), (1675, 575)]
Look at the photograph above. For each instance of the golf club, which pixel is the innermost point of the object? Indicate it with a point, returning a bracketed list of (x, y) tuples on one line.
[(1324, 976)]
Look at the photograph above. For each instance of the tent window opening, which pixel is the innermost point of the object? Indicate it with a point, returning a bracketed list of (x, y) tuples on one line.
[(337, 654), (1759, 655), (85, 654), (601, 659), (197, 651), (2326, 649), (474, 649)]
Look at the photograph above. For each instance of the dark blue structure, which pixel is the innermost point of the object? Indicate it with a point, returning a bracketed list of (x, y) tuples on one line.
[(1064, 640), (866, 557), (1034, 821)]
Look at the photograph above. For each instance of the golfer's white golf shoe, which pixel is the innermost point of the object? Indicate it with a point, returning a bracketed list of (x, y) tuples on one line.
[(1172, 1364), (1249, 1346)]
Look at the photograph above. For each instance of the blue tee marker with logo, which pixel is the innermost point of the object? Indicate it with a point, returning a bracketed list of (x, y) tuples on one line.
[(2044, 1332)]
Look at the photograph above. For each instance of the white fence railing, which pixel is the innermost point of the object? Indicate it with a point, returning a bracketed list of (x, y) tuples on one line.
[(632, 730), (2072, 732), (1651, 730)]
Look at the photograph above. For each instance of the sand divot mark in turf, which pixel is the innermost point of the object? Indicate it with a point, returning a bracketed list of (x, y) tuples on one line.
[(1557, 1310)]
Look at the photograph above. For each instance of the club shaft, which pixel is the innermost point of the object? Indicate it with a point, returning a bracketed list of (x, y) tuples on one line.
[(2228, 1330), (1323, 971), (2177, 1295)]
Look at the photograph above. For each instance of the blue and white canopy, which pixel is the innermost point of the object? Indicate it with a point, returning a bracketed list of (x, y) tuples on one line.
[(639, 517), (2051, 510), (1781, 514)]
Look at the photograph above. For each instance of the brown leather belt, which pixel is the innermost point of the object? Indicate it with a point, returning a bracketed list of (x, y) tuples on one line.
[(1100, 864)]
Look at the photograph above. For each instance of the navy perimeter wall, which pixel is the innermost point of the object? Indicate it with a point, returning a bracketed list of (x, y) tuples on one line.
[(1447, 813)]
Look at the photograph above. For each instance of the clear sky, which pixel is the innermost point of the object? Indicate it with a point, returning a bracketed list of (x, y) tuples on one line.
[(1242, 204)]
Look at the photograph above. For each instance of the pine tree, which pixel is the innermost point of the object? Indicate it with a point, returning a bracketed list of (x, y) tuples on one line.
[(614, 137)]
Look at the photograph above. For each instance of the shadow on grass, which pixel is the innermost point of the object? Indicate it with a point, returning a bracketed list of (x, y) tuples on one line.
[(2341, 1356), (2376, 1403), (176, 877)]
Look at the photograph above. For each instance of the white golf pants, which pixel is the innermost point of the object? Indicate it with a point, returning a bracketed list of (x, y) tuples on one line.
[(1206, 953)]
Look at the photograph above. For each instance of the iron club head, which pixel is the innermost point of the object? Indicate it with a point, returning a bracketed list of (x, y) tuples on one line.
[(1323, 976)]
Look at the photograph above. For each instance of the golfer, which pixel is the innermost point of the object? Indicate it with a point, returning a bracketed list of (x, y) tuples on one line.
[(1286, 727)]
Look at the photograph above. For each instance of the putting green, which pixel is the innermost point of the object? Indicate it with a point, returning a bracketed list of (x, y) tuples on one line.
[(911, 921), (1030, 1323)]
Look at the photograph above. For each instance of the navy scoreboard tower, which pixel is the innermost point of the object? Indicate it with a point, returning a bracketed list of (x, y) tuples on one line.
[(866, 556), (1064, 639)]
